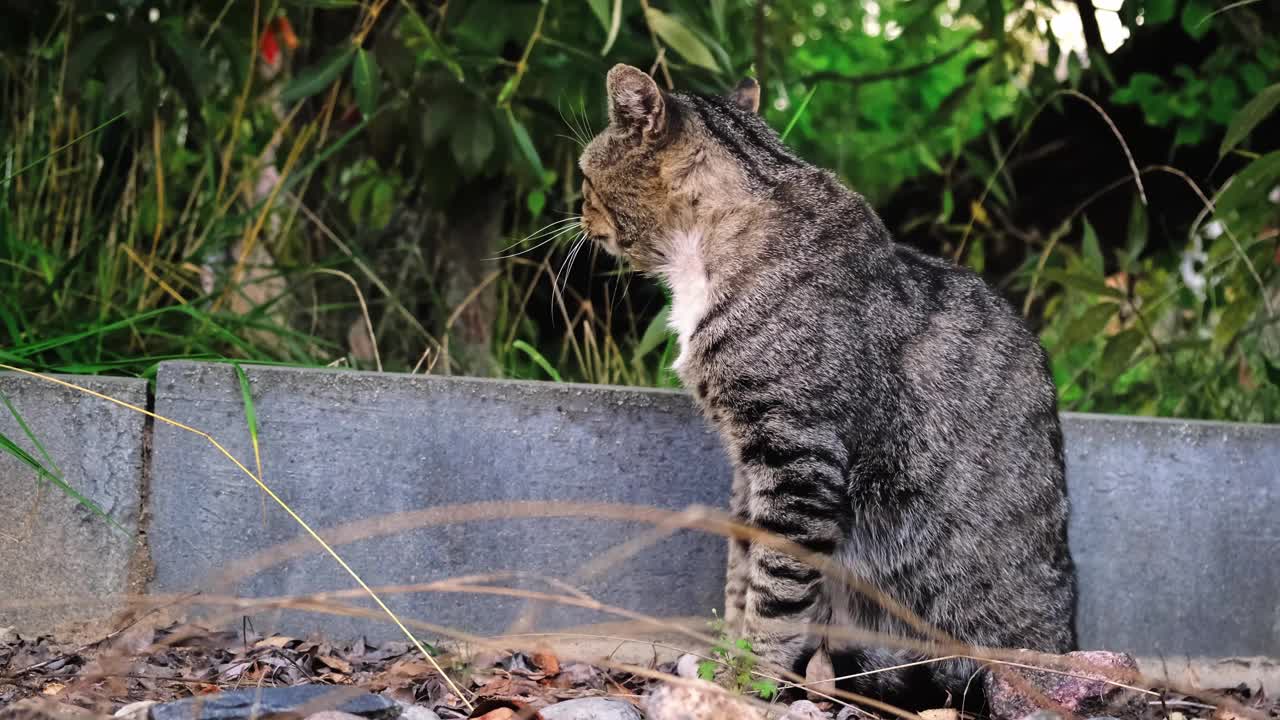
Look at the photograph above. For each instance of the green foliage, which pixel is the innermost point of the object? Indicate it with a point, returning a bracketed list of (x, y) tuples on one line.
[(738, 659), (132, 228)]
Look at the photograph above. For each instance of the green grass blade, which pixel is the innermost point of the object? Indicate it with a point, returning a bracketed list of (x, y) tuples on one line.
[(26, 430), (12, 448), (804, 104), (537, 358)]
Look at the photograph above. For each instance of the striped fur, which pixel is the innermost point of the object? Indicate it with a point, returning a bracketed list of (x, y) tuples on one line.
[(881, 407)]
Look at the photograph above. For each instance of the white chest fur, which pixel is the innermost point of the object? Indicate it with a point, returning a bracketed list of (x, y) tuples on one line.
[(686, 275)]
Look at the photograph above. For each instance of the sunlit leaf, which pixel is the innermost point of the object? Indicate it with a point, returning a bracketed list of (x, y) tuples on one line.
[(684, 42), (1089, 325), (1120, 348), (1254, 112)]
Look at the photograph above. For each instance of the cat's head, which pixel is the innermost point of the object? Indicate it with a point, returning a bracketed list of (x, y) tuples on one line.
[(665, 163)]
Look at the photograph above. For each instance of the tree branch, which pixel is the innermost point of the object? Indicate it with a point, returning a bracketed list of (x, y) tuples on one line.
[(894, 73)]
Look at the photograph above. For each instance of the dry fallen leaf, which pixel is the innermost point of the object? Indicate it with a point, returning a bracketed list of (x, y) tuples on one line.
[(275, 641), (547, 660), (334, 663), (53, 688)]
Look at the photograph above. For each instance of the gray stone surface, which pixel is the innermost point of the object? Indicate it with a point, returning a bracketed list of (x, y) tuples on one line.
[(591, 709), (341, 446), (1176, 534), (1175, 526), (61, 564), (279, 703)]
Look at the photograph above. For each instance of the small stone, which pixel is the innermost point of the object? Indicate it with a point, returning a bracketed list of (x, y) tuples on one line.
[(697, 701), (286, 702), (805, 710), (591, 709), (850, 713), (139, 710), (687, 666), (1082, 693), (417, 712), (45, 709)]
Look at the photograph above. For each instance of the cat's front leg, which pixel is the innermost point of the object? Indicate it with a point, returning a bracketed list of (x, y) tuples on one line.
[(737, 572), (800, 501)]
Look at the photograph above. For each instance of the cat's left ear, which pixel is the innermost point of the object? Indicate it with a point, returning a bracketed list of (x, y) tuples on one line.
[(635, 102), (747, 95)]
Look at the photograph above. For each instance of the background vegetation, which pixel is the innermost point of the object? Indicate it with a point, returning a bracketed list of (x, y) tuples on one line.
[(375, 183)]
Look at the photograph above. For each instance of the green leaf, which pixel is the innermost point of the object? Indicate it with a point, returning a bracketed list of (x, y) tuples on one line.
[(1115, 357), (1155, 12), (1089, 325), (1233, 319), (1254, 112), (718, 17), (1195, 16), (707, 670), (366, 79), (601, 10), (536, 202), (764, 688), (318, 78), (418, 27), (654, 336), (537, 358), (684, 42), (472, 143), (615, 23), (1091, 252), (1080, 281), (525, 144), (1251, 185)]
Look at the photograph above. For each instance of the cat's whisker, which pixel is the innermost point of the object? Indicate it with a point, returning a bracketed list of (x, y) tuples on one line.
[(577, 134), (556, 236), (562, 224), (556, 293)]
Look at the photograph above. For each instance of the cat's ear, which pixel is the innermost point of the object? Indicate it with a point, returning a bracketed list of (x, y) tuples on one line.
[(635, 101), (747, 95)]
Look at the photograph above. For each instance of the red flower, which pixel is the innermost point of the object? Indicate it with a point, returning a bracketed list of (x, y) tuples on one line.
[(277, 31)]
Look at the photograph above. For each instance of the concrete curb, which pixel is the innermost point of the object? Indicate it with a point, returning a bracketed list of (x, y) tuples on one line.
[(1174, 528)]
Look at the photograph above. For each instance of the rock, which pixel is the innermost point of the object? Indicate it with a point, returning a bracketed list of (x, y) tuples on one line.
[(332, 715), (1082, 693), (696, 701), (140, 710), (417, 712), (850, 713), (286, 702), (805, 710), (46, 709), (687, 666), (591, 709)]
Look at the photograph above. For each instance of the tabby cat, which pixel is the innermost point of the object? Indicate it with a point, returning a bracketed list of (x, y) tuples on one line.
[(880, 407)]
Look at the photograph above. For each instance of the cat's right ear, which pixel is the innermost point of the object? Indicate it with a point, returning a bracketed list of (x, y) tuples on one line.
[(635, 102)]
